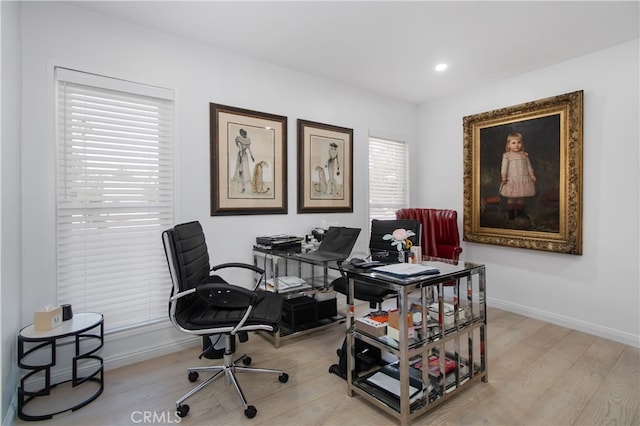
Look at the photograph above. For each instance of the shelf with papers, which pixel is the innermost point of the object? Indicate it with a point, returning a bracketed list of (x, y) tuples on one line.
[(388, 398), (287, 284), (423, 336), (295, 277), (420, 396), (435, 334)]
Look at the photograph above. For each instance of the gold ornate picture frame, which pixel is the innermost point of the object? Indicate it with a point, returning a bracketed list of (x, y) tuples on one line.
[(523, 175), (325, 168), (248, 151)]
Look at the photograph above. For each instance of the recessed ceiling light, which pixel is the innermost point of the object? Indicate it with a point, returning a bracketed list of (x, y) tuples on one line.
[(441, 67)]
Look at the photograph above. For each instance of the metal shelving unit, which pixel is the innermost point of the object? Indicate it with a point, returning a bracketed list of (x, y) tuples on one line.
[(318, 276), (463, 339)]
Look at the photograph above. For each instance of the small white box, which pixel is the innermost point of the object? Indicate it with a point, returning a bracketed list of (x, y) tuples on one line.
[(47, 318), (372, 327), (394, 333)]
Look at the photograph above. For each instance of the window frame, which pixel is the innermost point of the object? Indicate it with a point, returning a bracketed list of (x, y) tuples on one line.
[(402, 149), (152, 294)]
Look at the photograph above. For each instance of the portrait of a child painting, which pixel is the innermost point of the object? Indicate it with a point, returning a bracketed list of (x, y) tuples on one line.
[(523, 175)]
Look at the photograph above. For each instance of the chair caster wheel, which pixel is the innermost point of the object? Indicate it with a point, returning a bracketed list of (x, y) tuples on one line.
[(284, 378), (250, 412), (193, 376), (246, 360), (182, 410)]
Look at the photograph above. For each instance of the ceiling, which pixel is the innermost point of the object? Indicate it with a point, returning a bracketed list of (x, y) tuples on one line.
[(392, 47)]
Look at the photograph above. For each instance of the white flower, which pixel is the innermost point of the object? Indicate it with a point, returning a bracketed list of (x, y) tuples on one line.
[(400, 238)]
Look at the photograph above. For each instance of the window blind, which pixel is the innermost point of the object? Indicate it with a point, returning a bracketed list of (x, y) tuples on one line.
[(387, 178), (114, 196)]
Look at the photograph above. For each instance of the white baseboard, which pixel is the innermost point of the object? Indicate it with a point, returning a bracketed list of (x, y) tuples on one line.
[(12, 411), (564, 321), (150, 352), (137, 345)]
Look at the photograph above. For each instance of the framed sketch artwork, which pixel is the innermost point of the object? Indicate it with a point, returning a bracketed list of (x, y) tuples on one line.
[(325, 168), (523, 175), (248, 161)]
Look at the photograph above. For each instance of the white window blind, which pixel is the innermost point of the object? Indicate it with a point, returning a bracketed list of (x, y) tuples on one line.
[(114, 197), (387, 178)]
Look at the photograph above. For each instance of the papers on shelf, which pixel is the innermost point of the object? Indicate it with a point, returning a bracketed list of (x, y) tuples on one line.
[(286, 283), (406, 269), (388, 379), (392, 385), (448, 313)]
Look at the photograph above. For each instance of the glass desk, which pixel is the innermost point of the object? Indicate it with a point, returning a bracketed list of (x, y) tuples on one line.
[(446, 352), (317, 277)]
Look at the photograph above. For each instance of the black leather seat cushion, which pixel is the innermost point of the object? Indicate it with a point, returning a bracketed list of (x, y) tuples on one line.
[(268, 310), (363, 291)]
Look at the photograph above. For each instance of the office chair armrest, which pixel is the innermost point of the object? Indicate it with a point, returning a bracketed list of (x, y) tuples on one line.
[(242, 266), (228, 296), (238, 265)]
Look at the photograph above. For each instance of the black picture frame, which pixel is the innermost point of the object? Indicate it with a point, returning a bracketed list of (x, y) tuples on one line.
[(248, 157), (325, 168)]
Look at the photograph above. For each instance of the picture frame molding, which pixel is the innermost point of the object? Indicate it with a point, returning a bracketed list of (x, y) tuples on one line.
[(568, 238), (314, 140), (267, 134)]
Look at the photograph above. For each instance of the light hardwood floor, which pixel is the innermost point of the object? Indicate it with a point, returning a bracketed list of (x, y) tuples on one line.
[(539, 374)]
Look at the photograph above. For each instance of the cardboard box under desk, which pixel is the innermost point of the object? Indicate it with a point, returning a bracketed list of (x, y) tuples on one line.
[(393, 330), (299, 310)]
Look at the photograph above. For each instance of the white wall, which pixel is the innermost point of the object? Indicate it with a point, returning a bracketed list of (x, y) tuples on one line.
[(597, 292), (10, 221), (55, 34)]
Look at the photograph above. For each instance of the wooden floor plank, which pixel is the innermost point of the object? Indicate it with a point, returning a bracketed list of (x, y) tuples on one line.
[(616, 400)]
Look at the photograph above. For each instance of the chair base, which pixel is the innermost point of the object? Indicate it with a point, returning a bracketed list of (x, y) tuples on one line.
[(228, 369)]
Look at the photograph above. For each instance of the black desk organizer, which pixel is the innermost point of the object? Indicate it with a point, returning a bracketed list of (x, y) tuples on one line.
[(300, 310)]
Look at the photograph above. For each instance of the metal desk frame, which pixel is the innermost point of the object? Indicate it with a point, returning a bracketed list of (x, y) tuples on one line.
[(318, 283), (455, 274)]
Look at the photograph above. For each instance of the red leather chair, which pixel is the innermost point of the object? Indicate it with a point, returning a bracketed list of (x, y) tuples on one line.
[(440, 237)]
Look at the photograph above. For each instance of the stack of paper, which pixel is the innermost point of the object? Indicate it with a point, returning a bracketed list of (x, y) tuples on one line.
[(407, 269), (289, 283), (388, 379)]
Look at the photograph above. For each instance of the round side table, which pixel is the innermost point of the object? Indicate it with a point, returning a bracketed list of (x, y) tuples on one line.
[(86, 329)]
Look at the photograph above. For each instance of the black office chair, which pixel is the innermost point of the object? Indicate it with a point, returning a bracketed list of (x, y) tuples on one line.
[(382, 250), (203, 305)]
